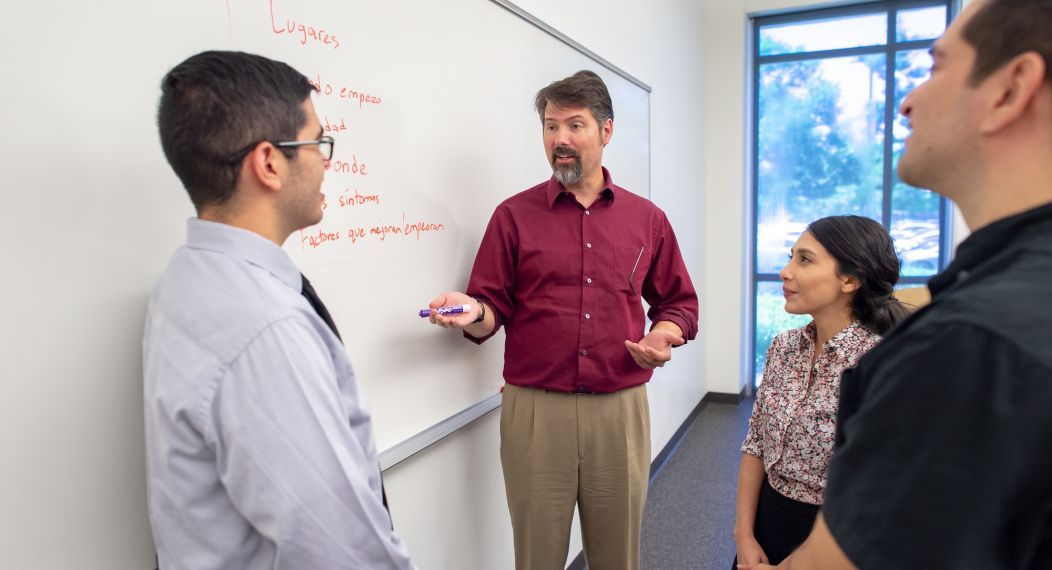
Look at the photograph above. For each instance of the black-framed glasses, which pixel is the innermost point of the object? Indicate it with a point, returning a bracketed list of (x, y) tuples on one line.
[(325, 144)]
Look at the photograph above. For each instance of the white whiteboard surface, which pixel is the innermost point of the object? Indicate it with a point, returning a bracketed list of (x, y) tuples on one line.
[(445, 131)]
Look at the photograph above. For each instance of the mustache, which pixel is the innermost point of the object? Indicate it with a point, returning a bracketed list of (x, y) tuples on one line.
[(564, 151)]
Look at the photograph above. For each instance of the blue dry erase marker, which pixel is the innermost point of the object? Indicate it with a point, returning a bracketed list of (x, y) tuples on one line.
[(450, 310)]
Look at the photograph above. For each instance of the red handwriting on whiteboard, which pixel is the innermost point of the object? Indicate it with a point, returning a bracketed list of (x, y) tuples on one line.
[(406, 230), (343, 167), (334, 126), (417, 228), (343, 92), (317, 238), (348, 199), (302, 32), (355, 234), (383, 230)]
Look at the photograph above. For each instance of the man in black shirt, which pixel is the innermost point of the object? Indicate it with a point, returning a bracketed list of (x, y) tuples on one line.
[(944, 456)]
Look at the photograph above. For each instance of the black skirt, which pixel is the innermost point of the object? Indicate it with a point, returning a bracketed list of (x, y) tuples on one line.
[(782, 524)]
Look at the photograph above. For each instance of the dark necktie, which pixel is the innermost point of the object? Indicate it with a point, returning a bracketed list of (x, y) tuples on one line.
[(319, 307)]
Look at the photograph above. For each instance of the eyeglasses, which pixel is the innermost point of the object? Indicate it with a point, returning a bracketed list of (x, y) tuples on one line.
[(325, 144)]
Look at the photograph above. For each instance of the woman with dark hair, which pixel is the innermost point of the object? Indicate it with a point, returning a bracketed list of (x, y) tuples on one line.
[(841, 272)]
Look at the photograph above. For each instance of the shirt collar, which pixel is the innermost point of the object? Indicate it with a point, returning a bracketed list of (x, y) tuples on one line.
[(246, 245), (809, 336), (987, 242), (850, 332), (556, 189)]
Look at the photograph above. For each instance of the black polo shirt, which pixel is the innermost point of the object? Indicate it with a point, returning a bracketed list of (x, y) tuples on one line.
[(944, 444)]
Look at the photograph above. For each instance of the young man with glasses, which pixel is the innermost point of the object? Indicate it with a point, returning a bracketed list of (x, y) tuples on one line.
[(259, 446)]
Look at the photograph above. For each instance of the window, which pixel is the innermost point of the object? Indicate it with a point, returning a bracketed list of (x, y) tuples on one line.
[(827, 137)]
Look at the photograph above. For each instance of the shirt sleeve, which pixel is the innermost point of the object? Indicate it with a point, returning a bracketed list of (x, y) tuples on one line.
[(667, 287), (945, 463), (492, 278), (293, 461), (753, 444)]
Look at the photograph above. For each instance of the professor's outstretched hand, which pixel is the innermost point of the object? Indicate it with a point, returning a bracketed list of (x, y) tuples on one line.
[(655, 349)]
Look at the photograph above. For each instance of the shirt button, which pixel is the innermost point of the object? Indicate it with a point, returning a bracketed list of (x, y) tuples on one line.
[(589, 280), (584, 352), (587, 316), (587, 213), (588, 245)]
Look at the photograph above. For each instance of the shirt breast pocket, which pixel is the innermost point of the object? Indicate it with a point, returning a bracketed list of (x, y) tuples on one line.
[(631, 265)]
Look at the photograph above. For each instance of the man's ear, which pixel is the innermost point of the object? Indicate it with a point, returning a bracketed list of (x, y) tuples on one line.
[(607, 131), (266, 165), (1012, 90)]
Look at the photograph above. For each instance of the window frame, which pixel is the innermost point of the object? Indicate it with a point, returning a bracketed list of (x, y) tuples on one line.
[(889, 49)]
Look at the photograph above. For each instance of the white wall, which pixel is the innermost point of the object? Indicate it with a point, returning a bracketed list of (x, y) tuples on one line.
[(726, 297), (723, 169)]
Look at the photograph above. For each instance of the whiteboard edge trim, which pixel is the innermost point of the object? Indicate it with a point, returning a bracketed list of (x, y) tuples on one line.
[(566, 40), (432, 435)]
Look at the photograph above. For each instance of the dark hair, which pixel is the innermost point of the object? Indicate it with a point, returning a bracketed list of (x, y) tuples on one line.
[(217, 103), (582, 89), (1003, 29), (863, 249)]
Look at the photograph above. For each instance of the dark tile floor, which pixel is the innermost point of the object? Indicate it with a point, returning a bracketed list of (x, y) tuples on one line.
[(690, 505)]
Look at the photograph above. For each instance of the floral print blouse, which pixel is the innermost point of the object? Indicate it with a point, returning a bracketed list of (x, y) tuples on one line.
[(793, 421)]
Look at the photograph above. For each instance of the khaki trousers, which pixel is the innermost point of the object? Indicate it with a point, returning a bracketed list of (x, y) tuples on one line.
[(561, 449)]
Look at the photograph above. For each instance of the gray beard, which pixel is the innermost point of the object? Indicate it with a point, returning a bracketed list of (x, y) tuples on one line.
[(568, 175)]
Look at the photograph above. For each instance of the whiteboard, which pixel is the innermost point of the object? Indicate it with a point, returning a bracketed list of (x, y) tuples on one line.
[(431, 105)]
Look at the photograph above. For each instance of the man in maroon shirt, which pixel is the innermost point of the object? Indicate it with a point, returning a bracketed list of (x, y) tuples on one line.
[(563, 267)]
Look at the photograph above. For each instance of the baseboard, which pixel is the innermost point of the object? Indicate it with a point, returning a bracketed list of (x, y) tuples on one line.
[(726, 397), (673, 443)]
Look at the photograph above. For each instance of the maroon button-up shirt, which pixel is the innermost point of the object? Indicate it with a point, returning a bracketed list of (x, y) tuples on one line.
[(566, 283)]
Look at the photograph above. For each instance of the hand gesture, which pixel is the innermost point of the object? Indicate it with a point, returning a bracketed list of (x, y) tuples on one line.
[(457, 320), (655, 349)]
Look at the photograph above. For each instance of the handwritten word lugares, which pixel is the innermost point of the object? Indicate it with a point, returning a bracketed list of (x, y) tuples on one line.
[(343, 92), (302, 32)]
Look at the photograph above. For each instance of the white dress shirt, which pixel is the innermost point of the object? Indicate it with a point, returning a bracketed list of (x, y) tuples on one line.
[(259, 444)]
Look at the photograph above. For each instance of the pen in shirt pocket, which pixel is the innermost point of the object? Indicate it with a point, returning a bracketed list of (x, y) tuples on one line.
[(631, 276)]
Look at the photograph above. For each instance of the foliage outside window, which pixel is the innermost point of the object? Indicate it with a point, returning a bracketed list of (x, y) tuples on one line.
[(828, 136)]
